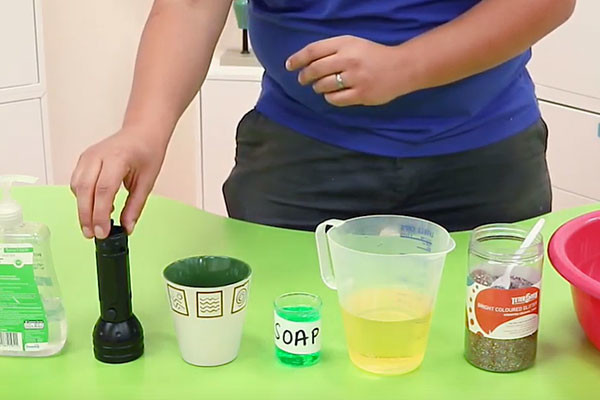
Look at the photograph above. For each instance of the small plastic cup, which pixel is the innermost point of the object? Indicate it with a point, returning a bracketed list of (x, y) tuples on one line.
[(297, 329)]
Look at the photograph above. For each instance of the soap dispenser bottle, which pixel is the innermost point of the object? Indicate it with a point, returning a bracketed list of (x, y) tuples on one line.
[(32, 317)]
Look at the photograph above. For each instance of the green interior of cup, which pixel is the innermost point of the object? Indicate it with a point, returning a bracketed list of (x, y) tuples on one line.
[(207, 271)]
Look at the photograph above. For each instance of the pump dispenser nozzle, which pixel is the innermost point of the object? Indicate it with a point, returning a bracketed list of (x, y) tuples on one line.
[(11, 213)]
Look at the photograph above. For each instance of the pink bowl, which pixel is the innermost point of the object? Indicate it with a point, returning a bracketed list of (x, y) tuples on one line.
[(574, 251)]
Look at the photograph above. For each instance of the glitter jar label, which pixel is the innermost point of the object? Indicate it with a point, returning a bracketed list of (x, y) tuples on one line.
[(502, 313)]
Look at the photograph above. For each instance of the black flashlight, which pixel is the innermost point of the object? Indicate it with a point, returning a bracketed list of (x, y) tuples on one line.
[(118, 335)]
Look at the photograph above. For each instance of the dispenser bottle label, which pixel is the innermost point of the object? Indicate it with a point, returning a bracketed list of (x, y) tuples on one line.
[(23, 320)]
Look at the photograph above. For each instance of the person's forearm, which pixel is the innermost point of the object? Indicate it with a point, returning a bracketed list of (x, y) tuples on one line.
[(492, 32), (173, 59)]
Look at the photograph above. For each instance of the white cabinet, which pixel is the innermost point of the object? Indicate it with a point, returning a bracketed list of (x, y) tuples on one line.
[(573, 151), (17, 43), (227, 94), (566, 64), (24, 141), (21, 139), (566, 70), (563, 199)]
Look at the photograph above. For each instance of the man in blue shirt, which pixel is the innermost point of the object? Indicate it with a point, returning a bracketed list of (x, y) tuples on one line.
[(417, 107)]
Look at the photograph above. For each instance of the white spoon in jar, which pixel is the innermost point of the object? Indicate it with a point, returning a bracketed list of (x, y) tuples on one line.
[(504, 280)]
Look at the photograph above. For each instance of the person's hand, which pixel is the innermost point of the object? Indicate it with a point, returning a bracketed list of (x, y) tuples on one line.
[(370, 73), (127, 157)]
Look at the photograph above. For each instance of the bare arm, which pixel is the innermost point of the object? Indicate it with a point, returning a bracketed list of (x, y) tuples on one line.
[(173, 58), (492, 32), (487, 35)]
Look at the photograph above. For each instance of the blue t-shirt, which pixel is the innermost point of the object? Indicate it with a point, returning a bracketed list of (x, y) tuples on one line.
[(464, 115)]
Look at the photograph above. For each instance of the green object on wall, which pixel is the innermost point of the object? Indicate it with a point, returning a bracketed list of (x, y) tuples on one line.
[(241, 13)]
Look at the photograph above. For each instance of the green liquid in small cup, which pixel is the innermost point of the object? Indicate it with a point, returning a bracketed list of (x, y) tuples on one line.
[(298, 314)]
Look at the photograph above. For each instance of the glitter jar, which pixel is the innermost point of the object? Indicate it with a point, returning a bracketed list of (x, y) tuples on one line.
[(502, 323)]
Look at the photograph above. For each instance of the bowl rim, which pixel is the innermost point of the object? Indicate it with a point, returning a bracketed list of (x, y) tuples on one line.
[(557, 253)]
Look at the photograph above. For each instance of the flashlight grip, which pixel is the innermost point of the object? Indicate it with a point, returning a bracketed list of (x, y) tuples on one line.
[(114, 287)]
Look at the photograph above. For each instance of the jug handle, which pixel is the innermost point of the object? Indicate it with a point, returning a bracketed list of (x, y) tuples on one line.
[(324, 253)]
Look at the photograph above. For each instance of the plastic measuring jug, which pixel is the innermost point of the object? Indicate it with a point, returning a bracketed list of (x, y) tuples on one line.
[(387, 271)]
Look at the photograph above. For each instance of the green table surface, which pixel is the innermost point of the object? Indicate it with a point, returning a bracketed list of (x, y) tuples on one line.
[(567, 366)]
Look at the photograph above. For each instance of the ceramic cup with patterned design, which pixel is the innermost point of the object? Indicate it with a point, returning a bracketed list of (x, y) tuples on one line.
[(208, 297)]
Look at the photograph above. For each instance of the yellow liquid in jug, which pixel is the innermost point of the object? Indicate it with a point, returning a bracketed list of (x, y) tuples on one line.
[(387, 329)]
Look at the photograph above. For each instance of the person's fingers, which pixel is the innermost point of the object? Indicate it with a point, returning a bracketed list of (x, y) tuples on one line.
[(83, 185), (320, 69), (343, 98), (330, 84), (313, 52), (135, 204), (108, 184)]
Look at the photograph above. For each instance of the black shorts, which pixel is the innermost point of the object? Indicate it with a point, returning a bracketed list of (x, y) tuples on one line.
[(282, 178)]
